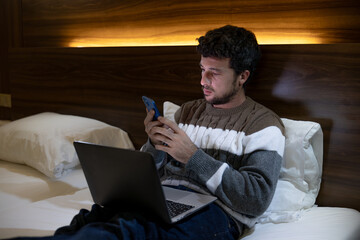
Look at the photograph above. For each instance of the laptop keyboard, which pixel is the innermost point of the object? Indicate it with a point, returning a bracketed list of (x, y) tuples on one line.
[(176, 208)]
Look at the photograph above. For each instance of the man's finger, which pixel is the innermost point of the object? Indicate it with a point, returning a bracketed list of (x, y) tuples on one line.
[(169, 123), (149, 117)]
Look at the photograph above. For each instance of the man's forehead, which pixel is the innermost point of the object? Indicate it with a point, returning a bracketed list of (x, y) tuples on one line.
[(215, 62)]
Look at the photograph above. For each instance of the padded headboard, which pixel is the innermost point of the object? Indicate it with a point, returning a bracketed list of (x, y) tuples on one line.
[(305, 82)]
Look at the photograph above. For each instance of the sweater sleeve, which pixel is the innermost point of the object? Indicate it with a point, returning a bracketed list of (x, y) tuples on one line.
[(248, 185), (159, 156), (248, 189)]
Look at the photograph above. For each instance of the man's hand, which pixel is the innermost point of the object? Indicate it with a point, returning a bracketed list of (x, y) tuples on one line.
[(175, 141), (168, 137), (149, 125)]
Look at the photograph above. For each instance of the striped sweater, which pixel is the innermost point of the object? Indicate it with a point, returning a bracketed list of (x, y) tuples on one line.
[(238, 158)]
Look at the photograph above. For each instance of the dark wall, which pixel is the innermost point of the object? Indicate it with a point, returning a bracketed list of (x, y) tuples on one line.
[(43, 23), (82, 22)]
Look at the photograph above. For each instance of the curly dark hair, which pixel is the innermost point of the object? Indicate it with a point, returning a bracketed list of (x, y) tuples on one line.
[(238, 44)]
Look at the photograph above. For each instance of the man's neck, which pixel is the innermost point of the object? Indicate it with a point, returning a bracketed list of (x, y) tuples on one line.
[(235, 102)]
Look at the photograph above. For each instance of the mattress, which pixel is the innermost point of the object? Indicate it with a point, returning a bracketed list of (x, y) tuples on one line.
[(33, 205), (317, 223)]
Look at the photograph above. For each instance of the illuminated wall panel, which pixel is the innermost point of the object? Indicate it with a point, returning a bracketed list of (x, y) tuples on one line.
[(83, 23)]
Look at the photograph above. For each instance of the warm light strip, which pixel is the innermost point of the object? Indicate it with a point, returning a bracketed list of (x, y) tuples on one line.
[(108, 42), (120, 43), (289, 40)]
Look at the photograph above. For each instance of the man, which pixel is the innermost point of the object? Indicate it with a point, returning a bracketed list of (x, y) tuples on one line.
[(226, 145)]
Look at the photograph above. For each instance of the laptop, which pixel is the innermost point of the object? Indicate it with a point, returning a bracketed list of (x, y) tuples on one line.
[(128, 180)]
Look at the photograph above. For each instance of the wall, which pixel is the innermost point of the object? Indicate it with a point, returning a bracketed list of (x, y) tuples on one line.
[(70, 23), (81, 23), (5, 44)]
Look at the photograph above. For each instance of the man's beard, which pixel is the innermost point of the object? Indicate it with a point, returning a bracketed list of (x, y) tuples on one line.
[(226, 97)]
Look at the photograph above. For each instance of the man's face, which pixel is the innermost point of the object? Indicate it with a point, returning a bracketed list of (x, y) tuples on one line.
[(219, 82)]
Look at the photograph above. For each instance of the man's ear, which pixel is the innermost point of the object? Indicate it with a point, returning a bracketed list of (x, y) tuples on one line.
[(243, 77)]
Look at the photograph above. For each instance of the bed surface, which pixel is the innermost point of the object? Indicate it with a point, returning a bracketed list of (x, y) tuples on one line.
[(21, 185), (24, 212), (316, 223), (31, 204)]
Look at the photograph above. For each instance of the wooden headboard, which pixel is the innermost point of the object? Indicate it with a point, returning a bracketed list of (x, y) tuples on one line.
[(305, 82)]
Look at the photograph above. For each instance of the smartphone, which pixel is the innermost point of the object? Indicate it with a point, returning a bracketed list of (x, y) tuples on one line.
[(150, 104)]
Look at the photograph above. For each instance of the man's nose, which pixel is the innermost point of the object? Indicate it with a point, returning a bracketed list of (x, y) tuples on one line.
[(205, 79)]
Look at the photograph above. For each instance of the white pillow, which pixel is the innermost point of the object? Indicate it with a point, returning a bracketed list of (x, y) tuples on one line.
[(45, 141), (170, 110), (300, 174)]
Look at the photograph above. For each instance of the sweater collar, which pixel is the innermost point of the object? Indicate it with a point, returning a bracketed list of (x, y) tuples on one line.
[(229, 111)]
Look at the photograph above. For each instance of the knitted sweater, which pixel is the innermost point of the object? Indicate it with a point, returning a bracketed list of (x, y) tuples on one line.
[(238, 158)]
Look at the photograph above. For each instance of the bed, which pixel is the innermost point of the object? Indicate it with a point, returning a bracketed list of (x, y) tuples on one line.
[(94, 94)]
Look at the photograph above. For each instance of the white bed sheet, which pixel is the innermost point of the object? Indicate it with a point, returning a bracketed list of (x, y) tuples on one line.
[(20, 184), (42, 218), (317, 223), (33, 205)]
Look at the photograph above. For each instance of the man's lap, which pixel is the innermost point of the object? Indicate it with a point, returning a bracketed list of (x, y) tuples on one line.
[(100, 223)]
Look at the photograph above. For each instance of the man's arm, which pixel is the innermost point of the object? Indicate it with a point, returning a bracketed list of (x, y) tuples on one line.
[(248, 189)]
